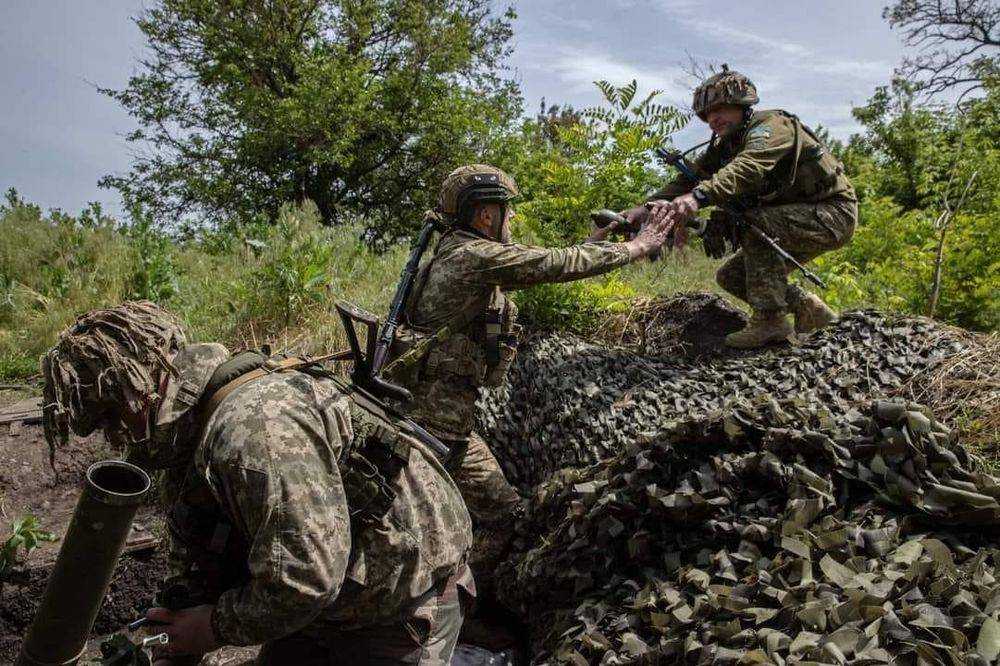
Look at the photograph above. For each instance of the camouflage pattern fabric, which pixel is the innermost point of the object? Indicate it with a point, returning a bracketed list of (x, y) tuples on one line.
[(453, 291), (424, 635), (567, 402), (269, 458), (487, 493), (771, 159), (758, 276)]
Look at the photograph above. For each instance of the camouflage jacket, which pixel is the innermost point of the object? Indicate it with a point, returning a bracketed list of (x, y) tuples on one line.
[(269, 464), (460, 331), (772, 159)]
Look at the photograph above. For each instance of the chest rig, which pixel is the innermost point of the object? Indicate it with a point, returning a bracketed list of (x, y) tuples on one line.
[(808, 172), (369, 465), (479, 344)]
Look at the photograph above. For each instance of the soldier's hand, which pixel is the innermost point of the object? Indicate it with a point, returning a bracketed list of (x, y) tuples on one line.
[(658, 210), (598, 234), (649, 239), (684, 207), (189, 629), (680, 236), (636, 216)]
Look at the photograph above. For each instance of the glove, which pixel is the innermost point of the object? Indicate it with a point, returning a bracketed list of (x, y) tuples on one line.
[(718, 231)]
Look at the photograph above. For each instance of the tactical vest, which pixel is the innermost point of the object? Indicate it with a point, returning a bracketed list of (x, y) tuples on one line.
[(809, 173), (478, 346), (369, 466)]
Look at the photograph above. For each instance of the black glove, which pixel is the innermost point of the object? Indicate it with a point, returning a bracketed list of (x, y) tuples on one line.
[(719, 232)]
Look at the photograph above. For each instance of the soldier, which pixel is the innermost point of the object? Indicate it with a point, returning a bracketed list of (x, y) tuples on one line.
[(776, 172), (301, 515), (459, 332)]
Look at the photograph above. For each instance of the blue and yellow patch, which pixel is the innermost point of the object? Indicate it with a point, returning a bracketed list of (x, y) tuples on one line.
[(758, 137)]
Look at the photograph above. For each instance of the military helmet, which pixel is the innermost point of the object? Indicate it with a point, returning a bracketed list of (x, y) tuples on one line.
[(474, 183), (725, 87)]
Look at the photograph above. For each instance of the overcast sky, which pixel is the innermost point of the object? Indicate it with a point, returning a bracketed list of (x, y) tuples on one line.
[(817, 58)]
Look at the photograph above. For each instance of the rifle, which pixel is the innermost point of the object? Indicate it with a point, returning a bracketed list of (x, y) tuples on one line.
[(369, 363), (678, 160)]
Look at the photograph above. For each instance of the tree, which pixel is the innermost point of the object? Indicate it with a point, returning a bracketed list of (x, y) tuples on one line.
[(358, 105), (957, 42)]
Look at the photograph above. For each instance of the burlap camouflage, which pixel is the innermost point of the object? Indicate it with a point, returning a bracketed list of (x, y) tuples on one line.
[(757, 275), (454, 292)]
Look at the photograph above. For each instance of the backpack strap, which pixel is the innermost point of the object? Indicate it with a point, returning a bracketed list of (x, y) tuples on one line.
[(266, 367)]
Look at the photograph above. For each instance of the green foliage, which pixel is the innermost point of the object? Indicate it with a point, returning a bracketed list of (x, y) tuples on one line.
[(573, 306), (292, 273), (26, 533), (568, 164), (154, 277), (353, 104), (910, 160)]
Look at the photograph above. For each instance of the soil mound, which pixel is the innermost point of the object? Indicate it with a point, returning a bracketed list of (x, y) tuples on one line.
[(688, 324)]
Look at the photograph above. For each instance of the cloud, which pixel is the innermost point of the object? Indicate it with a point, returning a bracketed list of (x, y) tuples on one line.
[(579, 69)]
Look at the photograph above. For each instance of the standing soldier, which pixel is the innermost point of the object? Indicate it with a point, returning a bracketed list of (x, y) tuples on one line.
[(779, 176), (301, 514), (459, 332)]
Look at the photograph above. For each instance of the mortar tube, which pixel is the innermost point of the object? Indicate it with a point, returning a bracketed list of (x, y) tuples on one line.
[(94, 541)]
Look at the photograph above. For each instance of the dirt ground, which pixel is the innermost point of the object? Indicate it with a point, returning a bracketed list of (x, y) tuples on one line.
[(29, 485)]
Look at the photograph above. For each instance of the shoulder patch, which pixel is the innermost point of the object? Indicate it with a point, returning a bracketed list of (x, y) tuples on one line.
[(758, 136)]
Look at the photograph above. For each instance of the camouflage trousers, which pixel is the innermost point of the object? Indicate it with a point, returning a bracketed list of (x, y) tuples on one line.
[(426, 634), (757, 275), (488, 495)]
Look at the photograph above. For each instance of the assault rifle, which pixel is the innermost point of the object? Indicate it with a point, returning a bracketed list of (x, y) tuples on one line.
[(369, 363), (678, 160)]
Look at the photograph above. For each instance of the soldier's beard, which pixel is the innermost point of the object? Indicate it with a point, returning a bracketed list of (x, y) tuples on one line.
[(505, 235)]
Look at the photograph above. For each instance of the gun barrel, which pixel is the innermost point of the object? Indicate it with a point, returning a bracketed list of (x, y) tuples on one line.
[(112, 492)]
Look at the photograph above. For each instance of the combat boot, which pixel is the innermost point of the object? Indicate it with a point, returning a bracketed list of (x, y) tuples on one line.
[(812, 313), (763, 328)]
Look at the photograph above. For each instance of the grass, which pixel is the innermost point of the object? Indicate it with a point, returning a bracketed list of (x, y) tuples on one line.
[(275, 284)]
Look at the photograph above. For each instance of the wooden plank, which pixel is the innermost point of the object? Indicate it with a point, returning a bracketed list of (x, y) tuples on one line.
[(22, 417), (25, 411)]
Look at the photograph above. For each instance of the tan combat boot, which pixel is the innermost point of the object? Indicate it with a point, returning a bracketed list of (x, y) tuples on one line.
[(762, 329), (812, 313)]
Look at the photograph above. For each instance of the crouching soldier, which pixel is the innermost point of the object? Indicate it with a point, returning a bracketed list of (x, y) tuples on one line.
[(777, 174), (302, 516), (460, 332)]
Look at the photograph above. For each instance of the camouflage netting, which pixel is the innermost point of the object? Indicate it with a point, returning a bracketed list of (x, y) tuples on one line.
[(761, 507), (775, 532), (568, 402)]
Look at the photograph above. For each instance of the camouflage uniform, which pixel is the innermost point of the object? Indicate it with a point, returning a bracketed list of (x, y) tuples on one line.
[(460, 335), (264, 521), (790, 186), (298, 508)]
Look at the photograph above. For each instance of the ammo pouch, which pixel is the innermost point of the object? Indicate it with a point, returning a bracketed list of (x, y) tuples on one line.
[(501, 336), (373, 462)]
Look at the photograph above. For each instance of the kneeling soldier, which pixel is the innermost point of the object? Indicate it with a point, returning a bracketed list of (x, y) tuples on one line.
[(301, 514), (775, 173), (460, 331)]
